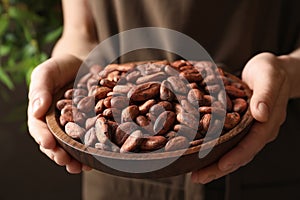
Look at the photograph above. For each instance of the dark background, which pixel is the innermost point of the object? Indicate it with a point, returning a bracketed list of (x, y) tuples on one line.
[(28, 31), (26, 173)]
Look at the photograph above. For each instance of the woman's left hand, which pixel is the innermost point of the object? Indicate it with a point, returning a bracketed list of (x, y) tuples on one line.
[(268, 79)]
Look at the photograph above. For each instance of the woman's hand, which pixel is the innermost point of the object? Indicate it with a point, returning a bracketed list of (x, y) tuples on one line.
[(78, 39), (46, 79), (266, 76)]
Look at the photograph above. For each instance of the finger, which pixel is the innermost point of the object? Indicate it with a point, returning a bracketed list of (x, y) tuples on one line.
[(243, 153), (259, 135), (74, 167), (58, 155), (265, 78), (62, 158), (40, 132)]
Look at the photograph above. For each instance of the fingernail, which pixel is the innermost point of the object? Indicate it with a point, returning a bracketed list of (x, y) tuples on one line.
[(36, 105), (263, 109), (228, 167)]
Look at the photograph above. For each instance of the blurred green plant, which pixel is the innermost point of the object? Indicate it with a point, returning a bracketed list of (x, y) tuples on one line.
[(28, 30)]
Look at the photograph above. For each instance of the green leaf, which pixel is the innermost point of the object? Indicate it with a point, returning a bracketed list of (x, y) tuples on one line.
[(53, 35), (4, 50), (4, 21), (22, 13), (6, 79)]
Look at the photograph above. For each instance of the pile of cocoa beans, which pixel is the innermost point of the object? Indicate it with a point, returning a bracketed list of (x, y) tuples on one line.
[(152, 106)]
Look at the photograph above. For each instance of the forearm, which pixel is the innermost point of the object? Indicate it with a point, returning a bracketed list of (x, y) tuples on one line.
[(79, 35), (78, 18), (291, 64)]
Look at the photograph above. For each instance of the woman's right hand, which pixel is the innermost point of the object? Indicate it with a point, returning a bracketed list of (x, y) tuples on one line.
[(78, 39), (46, 79)]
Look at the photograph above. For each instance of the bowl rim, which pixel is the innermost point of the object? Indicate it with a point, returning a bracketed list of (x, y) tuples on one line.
[(56, 129)]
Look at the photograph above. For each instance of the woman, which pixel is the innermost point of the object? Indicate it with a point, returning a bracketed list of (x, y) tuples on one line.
[(237, 33)]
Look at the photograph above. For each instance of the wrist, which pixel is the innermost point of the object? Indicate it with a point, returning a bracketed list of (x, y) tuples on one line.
[(290, 65), (76, 44)]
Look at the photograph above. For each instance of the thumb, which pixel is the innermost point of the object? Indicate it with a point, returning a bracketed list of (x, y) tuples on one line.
[(40, 103), (265, 78), (46, 79)]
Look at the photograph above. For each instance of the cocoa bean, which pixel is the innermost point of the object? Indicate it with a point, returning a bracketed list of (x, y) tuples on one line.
[(205, 122), (124, 89), (100, 92), (149, 68), (166, 105), (171, 71), (102, 130), (132, 142), (210, 109), (212, 89), (186, 131), (179, 63), (102, 146), (195, 97), (165, 91), (193, 86), (99, 106), (77, 99), (92, 83), (86, 104), (144, 91), (113, 76), (90, 122), (145, 123), (231, 120), (79, 92), (240, 105), (152, 143), (74, 130), (107, 83), (191, 75), (123, 131), (178, 108), (62, 103), (144, 108), (112, 113), (188, 107), (188, 120), (171, 134), (90, 138), (107, 102), (177, 143), (129, 113), (235, 92), (178, 86), (119, 102), (164, 122), (69, 93), (160, 76), (133, 76), (156, 110)]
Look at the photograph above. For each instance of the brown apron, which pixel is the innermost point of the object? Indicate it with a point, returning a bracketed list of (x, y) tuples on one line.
[(232, 32)]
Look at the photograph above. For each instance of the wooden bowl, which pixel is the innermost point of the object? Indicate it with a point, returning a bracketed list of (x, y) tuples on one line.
[(180, 161)]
